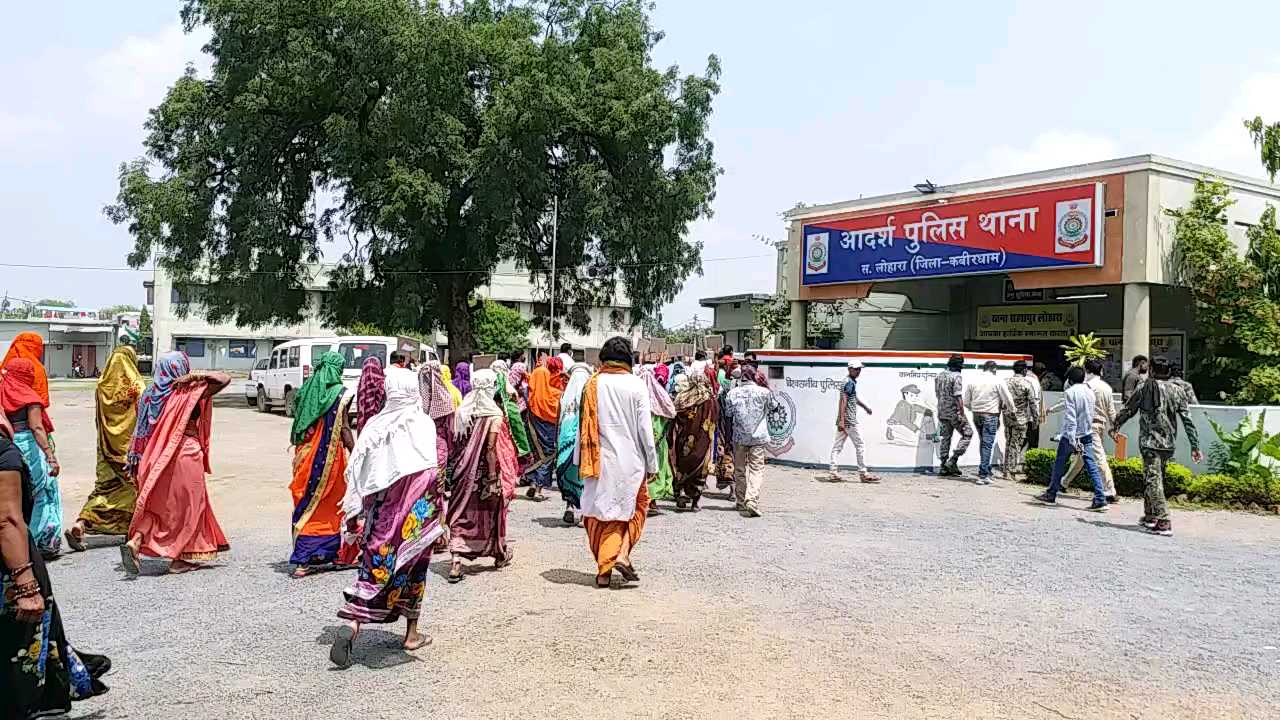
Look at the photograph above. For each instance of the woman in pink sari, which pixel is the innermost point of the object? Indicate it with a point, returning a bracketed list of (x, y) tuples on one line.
[(173, 518)]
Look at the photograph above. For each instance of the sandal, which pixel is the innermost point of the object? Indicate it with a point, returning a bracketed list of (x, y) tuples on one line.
[(608, 580), (340, 653), (568, 518), (506, 560), (870, 478), (74, 540), (128, 559), (627, 572), (299, 572), (455, 574)]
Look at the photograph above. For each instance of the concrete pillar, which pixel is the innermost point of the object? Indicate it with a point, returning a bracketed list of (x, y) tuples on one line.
[(1137, 322), (799, 324)]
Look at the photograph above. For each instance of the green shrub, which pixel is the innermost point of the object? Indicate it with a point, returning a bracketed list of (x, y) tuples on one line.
[(1262, 488), (1127, 473)]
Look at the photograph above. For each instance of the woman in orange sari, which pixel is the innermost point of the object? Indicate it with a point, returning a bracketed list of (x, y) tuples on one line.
[(322, 439), (173, 518)]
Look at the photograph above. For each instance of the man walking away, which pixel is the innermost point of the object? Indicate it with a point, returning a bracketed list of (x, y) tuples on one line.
[(949, 388), (1077, 418), (1133, 377), (1022, 391), (986, 397), (1104, 414), (1176, 379), (749, 406), (1159, 404), (566, 356), (847, 426), (1033, 427)]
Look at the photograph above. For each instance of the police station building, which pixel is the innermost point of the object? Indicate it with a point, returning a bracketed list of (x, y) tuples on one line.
[(1013, 264)]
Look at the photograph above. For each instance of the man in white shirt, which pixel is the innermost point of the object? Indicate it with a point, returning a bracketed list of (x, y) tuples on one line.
[(566, 356), (1079, 404), (1104, 414), (616, 459), (986, 397)]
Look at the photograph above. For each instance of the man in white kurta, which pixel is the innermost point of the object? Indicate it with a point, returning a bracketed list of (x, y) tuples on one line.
[(615, 499)]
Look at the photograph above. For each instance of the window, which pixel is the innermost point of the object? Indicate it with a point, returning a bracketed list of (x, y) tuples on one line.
[(295, 357), (151, 293), (193, 347), (262, 364), (242, 349), (737, 305), (275, 361), (355, 353), (316, 352)]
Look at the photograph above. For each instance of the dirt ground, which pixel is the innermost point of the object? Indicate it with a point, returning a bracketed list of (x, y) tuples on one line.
[(919, 598)]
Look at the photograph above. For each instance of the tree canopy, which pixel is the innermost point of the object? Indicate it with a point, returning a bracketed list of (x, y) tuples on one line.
[(499, 329), (55, 302), (431, 143)]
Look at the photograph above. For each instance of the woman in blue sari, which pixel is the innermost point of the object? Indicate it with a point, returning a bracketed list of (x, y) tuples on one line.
[(566, 449)]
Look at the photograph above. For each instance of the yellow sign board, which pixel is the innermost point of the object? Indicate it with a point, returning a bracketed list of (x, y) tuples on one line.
[(1028, 322)]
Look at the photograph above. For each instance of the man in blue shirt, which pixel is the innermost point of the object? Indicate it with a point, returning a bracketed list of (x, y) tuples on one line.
[(1079, 405)]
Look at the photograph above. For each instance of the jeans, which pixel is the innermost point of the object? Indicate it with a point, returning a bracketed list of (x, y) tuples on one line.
[(1099, 457), (987, 424), (1065, 452)]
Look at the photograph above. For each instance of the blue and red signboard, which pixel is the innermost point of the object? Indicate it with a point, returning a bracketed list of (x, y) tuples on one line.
[(1040, 230)]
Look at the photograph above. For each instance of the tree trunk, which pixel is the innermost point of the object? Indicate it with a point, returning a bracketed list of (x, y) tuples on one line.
[(455, 306)]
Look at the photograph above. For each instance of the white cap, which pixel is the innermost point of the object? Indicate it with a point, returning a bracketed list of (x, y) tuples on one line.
[(855, 364)]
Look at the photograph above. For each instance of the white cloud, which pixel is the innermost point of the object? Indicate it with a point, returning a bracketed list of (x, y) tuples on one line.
[(1049, 149), (19, 130), (1227, 145), (132, 77)]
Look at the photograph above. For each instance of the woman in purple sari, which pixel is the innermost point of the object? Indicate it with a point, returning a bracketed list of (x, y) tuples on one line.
[(484, 479), (462, 377), (392, 484)]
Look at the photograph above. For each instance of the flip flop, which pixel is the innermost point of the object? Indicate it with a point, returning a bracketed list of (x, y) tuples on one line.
[(455, 578), (128, 560), (340, 653), (627, 572), (568, 518), (511, 555), (608, 580), (76, 544)]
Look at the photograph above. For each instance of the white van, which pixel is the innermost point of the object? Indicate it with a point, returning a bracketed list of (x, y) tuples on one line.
[(291, 363)]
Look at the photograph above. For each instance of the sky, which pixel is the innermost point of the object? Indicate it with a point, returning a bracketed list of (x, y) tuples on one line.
[(821, 101)]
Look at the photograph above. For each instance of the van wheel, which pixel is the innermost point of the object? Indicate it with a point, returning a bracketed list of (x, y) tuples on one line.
[(264, 405), (288, 403)]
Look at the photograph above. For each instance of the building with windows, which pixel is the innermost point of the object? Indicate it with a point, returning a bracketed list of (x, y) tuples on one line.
[(226, 346), (1012, 264), (734, 317), (66, 341)]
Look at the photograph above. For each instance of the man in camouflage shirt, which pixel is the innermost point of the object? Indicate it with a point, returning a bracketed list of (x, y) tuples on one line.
[(1175, 378), (1159, 403), (949, 389), (1016, 419)]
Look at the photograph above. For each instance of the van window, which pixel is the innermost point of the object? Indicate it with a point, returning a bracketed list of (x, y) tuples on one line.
[(316, 352), (262, 364), (295, 357), (355, 353), (275, 361)]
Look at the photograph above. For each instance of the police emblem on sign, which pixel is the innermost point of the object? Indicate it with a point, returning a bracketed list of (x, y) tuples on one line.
[(816, 257), (782, 425), (1074, 226)]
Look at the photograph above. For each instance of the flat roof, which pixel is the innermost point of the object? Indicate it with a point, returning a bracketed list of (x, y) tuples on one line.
[(1156, 163), (57, 321), (741, 297)]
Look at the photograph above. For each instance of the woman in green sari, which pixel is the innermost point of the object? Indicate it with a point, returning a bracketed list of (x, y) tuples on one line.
[(663, 411)]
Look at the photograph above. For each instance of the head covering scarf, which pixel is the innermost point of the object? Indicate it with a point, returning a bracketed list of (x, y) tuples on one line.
[(519, 378), (677, 369), (436, 400), (120, 385), (479, 402), (171, 366), (30, 345), (663, 373), (447, 376), (659, 401), (693, 391), (546, 385), (371, 393), (745, 375), (571, 399), (462, 377), (17, 386), (397, 442), (317, 394)]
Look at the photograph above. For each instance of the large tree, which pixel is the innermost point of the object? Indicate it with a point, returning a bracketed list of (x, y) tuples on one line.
[(432, 143)]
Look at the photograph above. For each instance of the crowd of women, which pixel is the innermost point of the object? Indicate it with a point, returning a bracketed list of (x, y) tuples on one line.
[(416, 461), (149, 488)]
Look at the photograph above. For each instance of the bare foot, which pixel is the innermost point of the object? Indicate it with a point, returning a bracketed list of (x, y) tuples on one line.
[(129, 556), (416, 641), (75, 537), (181, 566)]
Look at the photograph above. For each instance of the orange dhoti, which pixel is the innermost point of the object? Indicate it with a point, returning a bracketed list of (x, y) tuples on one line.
[(607, 538)]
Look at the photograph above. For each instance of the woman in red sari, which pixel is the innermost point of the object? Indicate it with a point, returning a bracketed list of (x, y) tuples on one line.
[(174, 519)]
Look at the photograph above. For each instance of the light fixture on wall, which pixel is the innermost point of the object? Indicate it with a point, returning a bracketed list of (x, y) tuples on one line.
[(1090, 296), (926, 188)]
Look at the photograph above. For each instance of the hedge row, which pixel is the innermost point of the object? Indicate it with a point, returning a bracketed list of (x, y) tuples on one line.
[(1262, 490)]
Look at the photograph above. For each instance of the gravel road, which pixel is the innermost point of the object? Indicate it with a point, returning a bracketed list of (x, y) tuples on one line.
[(918, 598)]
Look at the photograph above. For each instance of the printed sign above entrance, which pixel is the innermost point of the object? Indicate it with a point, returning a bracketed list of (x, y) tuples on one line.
[(1028, 322), (1041, 230)]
